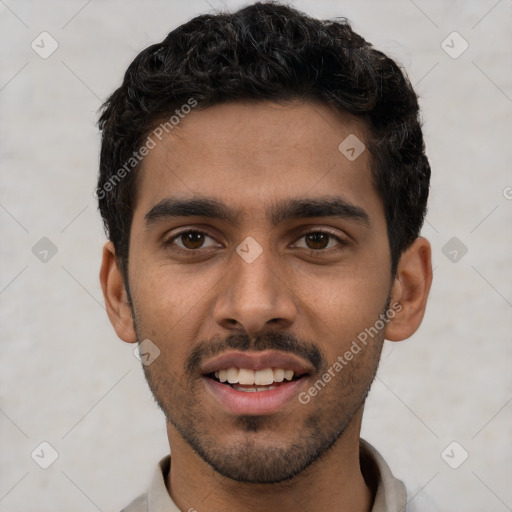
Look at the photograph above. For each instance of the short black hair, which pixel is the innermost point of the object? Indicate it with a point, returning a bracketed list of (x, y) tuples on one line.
[(267, 51)]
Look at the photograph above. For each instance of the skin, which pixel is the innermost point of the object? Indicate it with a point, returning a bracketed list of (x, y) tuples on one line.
[(321, 293)]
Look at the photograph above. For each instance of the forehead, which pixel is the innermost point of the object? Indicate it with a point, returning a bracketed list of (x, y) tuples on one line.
[(252, 154)]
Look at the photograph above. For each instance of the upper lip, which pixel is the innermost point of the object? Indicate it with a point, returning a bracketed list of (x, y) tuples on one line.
[(257, 361)]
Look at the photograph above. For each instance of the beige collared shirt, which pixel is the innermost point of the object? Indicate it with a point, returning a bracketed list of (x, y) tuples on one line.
[(390, 494)]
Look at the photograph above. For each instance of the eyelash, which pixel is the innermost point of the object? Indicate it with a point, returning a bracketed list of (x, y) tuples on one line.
[(169, 243)]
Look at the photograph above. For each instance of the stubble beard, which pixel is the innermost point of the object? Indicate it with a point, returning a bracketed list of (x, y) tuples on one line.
[(255, 459)]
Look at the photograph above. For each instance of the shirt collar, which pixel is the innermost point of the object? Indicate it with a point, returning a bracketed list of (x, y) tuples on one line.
[(391, 495)]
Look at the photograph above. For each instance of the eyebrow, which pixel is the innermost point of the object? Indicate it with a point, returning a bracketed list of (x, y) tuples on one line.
[(278, 212)]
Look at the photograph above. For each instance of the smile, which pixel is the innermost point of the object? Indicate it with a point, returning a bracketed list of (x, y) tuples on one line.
[(249, 384)]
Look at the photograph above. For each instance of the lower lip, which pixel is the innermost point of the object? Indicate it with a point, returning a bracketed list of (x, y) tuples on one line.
[(253, 403)]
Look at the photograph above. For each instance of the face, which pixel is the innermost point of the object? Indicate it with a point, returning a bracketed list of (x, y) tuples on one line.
[(258, 254)]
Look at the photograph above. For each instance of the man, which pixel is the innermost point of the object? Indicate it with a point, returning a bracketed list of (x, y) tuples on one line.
[(263, 183)]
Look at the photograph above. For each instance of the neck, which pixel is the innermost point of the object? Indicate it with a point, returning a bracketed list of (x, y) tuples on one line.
[(333, 482)]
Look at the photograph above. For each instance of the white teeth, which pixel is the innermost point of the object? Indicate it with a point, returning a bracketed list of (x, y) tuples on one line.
[(248, 390), (245, 376), (264, 377), (248, 377), (232, 374), (278, 375), (252, 390)]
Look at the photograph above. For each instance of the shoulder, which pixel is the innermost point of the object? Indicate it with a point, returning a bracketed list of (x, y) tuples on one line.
[(156, 498), (139, 504), (419, 499)]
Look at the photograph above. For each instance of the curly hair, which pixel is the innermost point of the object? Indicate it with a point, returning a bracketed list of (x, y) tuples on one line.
[(268, 51)]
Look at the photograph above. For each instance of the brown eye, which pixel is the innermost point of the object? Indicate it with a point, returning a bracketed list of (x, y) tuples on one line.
[(192, 239), (321, 241), (317, 240)]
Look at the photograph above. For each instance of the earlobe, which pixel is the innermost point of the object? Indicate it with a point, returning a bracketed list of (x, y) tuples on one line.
[(116, 299), (410, 289)]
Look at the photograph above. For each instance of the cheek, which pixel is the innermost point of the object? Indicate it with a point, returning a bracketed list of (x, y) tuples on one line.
[(168, 295), (171, 306), (344, 305)]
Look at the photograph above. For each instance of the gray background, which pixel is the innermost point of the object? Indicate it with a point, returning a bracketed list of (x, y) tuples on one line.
[(66, 379)]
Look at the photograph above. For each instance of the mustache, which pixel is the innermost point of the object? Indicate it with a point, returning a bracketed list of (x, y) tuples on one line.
[(273, 340)]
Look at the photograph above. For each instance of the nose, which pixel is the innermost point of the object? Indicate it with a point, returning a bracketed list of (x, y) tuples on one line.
[(255, 296)]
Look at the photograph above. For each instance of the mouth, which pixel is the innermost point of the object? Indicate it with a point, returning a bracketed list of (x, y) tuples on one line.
[(257, 383), (247, 380)]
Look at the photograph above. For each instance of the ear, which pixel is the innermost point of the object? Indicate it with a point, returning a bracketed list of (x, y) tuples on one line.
[(410, 289), (116, 299)]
